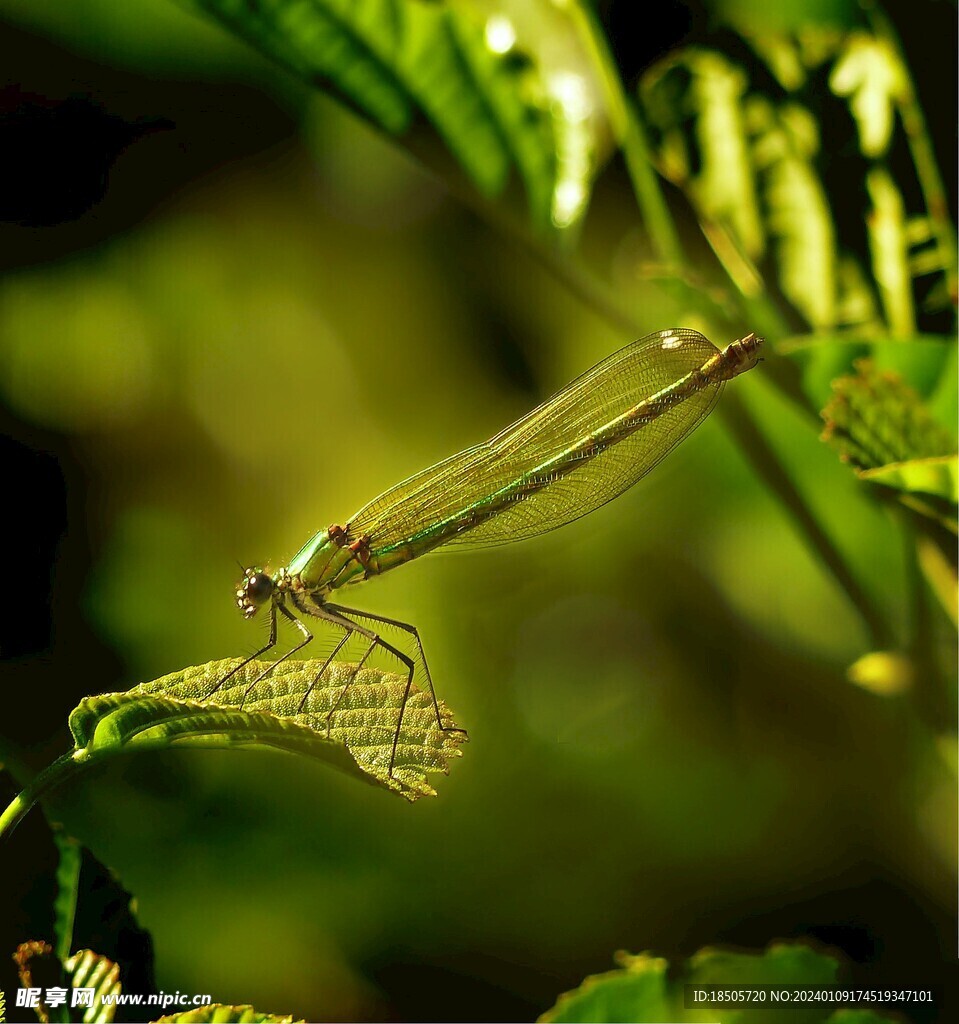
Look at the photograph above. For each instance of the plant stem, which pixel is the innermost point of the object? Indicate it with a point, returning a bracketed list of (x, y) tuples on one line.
[(47, 780)]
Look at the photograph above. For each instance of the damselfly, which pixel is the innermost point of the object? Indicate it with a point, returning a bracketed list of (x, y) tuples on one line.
[(579, 449)]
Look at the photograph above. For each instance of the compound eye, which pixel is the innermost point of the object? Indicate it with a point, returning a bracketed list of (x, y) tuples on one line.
[(259, 587)]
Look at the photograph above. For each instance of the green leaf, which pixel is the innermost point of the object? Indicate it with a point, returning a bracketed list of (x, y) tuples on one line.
[(635, 992), (874, 418), (90, 970), (870, 73), (889, 246), (499, 102), (646, 990), (748, 158), (217, 1012), (781, 964), (703, 89), (181, 709), (67, 884), (937, 477)]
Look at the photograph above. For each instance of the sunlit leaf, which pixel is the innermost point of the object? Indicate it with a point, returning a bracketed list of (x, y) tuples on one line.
[(935, 476), (889, 245), (874, 418), (749, 159), (870, 73), (702, 90), (90, 970), (882, 428), (799, 218), (181, 710), (501, 101), (218, 1013)]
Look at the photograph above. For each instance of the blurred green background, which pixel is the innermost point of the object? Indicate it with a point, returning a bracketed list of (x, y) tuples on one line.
[(272, 315)]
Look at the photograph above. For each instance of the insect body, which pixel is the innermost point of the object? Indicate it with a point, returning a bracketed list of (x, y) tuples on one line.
[(582, 447)]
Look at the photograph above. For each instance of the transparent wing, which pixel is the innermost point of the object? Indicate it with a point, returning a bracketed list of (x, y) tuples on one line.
[(536, 473)]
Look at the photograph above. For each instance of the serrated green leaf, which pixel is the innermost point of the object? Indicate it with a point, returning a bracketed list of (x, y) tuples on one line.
[(783, 963), (181, 709), (635, 992), (90, 970), (646, 990), (499, 101), (874, 418), (218, 1013)]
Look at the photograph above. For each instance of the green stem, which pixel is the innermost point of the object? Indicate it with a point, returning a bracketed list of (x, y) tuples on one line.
[(47, 780)]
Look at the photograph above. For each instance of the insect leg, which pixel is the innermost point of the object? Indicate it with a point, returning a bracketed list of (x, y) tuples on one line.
[(307, 637), (414, 632), (377, 640), (319, 675), (270, 644)]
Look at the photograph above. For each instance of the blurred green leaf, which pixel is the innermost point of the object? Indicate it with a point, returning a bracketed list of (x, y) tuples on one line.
[(798, 215), (694, 102), (938, 567), (217, 1013), (644, 989), (65, 901), (874, 418), (936, 477), (636, 992), (750, 158), (889, 245), (886, 673), (498, 102), (871, 75), (178, 710), (90, 970)]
